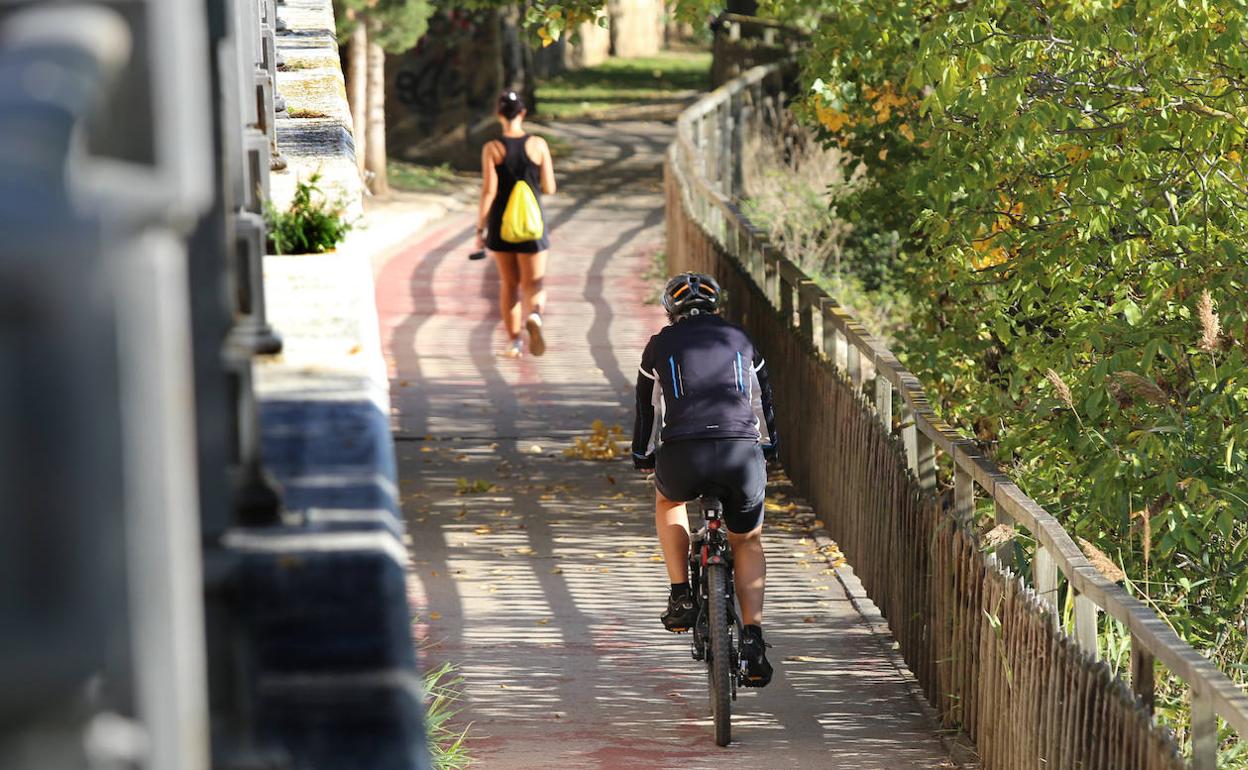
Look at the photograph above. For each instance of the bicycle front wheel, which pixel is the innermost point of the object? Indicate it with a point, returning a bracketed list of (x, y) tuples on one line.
[(719, 661)]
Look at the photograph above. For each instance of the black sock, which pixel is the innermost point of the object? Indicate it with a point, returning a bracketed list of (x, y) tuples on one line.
[(680, 590), (754, 631)]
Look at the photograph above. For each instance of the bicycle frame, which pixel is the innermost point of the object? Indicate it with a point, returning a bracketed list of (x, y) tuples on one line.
[(709, 545)]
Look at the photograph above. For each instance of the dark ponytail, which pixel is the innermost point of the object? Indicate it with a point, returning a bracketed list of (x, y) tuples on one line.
[(510, 105)]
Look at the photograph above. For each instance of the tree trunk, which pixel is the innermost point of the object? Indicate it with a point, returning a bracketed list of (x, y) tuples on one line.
[(375, 141), (357, 90)]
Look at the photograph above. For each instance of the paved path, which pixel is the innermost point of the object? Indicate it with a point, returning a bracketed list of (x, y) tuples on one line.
[(538, 574)]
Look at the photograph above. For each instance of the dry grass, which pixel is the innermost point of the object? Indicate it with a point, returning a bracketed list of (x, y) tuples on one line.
[(792, 183)]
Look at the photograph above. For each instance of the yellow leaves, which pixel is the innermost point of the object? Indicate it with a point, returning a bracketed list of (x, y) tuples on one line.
[(603, 443), (905, 130), (988, 254), (547, 38), (1233, 156), (1074, 153), (830, 117)]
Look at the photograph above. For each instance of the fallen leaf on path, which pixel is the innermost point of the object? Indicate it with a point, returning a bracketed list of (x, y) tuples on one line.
[(544, 622), (808, 619), (435, 615), (556, 571), (603, 443)]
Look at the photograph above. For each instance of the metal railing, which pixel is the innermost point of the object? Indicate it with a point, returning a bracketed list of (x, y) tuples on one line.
[(839, 370), (132, 266)]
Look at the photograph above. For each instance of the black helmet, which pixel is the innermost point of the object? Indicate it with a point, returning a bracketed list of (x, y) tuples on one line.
[(688, 292)]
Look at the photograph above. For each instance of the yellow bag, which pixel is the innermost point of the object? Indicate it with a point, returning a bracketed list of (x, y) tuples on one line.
[(522, 219)]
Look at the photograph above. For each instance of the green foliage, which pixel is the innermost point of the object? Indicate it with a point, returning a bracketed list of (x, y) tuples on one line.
[(395, 25), (1071, 180), (313, 223)]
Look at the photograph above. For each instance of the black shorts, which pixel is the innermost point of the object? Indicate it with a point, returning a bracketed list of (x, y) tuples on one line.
[(732, 469)]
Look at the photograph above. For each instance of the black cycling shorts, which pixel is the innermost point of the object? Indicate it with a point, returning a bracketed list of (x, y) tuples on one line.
[(732, 469)]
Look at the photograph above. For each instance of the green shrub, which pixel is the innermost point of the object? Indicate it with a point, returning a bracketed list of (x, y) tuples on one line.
[(313, 224), (1071, 181)]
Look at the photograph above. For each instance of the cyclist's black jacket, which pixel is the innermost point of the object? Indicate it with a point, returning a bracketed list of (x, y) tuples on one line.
[(702, 372)]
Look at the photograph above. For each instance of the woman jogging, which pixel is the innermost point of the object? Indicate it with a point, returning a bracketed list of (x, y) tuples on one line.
[(511, 223)]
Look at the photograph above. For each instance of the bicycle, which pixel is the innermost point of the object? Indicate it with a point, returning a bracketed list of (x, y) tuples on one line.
[(717, 631)]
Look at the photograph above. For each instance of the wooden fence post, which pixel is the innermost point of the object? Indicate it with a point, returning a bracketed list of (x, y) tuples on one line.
[(806, 311), (853, 363), (1204, 731), (925, 461), (963, 496), (786, 298), (1085, 624), (1143, 674), (771, 273), (1044, 574), (884, 400), (1005, 551)]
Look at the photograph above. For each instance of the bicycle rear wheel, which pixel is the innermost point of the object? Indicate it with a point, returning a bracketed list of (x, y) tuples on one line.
[(719, 663)]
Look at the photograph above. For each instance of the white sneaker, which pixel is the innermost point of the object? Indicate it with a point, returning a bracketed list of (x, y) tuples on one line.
[(514, 349), (537, 343)]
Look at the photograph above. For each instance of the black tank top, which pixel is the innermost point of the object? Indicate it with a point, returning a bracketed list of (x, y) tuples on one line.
[(515, 166)]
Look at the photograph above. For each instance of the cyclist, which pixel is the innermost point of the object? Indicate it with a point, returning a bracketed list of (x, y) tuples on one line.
[(699, 375)]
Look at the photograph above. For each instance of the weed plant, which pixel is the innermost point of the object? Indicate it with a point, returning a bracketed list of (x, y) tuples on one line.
[(313, 224)]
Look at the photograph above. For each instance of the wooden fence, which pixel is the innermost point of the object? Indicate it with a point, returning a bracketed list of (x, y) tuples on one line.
[(987, 647)]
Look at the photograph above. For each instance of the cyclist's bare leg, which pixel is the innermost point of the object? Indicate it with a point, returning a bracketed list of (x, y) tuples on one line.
[(672, 522), (749, 574)]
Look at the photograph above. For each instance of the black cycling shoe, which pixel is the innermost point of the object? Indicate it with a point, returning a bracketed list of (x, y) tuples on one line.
[(754, 658), (682, 613)]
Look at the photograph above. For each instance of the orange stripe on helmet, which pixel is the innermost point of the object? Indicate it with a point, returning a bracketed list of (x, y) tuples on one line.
[(684, 288)]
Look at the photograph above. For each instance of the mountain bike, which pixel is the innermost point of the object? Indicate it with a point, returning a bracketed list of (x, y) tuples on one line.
[(717, 632)]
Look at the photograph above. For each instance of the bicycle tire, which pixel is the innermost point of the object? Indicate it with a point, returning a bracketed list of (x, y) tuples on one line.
[(719, 666)]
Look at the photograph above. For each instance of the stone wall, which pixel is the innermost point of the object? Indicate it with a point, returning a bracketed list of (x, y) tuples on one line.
[(325, 595)]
